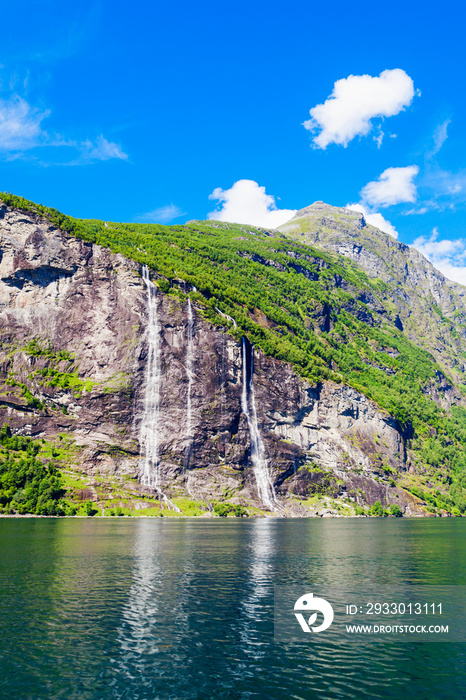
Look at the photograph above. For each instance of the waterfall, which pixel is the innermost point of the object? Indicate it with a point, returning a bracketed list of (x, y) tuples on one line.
[(189, 419), (190, 375), (150, 422), (229, 318), (223, 392), (264, 483)]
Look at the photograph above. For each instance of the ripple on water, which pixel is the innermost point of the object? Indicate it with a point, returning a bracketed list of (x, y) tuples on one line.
[(145, 608)]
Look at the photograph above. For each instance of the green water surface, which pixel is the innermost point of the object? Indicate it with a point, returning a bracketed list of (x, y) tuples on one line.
[(152, 608)]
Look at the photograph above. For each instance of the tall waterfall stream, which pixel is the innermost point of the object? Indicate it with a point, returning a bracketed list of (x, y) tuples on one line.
[(149, 432), (264, 483)]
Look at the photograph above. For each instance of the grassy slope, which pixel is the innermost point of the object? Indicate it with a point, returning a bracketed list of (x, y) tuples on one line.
[(300, 305)]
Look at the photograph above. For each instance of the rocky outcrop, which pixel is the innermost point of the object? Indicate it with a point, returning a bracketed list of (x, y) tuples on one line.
[(73, 320)]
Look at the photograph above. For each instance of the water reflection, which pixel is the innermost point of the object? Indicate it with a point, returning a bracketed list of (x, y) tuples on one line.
[(184, 609), (140, 630), (255, 606)]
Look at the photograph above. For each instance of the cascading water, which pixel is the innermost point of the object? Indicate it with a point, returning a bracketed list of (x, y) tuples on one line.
[(150, 422), (223, 400), (190, 375), (264, 483), (189, 412)]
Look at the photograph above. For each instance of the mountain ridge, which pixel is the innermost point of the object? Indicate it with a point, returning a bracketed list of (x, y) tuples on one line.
[(388, 417), (381, 256), (324, 217)]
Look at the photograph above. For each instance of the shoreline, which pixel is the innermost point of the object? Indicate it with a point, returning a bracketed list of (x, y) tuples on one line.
[(230, 517)]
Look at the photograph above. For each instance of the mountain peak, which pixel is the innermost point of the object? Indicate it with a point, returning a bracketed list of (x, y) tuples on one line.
[(346, 232), (320, 213)]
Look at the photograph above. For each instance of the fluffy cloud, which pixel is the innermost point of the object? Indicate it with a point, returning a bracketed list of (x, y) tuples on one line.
[(162, 215), (393, 186), (247, 203), (375, 219), (20, 125), (447, 256), (354, 102)]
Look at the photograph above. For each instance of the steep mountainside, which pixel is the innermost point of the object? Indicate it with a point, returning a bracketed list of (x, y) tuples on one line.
[(431, 309), (219, 366)]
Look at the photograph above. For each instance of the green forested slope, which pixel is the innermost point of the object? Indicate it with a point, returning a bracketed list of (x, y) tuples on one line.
[(301, 305), (431, 308)]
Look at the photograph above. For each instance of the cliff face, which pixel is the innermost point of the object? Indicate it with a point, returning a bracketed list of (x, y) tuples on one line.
[(74, 352), (76, 298)]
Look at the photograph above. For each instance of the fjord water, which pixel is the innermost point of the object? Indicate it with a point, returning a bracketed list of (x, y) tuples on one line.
[(183, 608)]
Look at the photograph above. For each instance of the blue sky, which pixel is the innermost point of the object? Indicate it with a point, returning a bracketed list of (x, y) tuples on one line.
[(142, 111)]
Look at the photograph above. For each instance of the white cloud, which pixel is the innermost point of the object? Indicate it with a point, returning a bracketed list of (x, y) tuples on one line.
[(101, 149), (446, 184), (375, 219), (20, 125), (247, 203), (440, 136), (21, 131), (393, 186), (447, 256), (442, 189), (439, 189), (162, 215), (426, 206), (355, 101), (378, 138)]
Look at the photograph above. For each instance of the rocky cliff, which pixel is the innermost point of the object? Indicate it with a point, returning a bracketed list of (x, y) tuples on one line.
[(74, 331)]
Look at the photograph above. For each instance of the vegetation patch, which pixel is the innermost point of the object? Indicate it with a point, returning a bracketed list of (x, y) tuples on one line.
[(224, 509), (28, 484)]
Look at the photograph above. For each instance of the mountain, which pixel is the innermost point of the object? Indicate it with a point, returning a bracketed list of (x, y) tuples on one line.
[(153, 369), (430, 309)]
